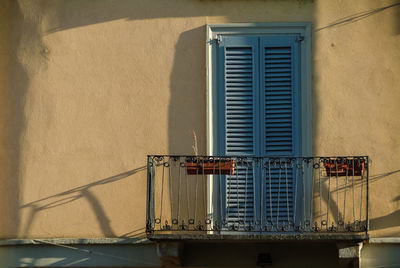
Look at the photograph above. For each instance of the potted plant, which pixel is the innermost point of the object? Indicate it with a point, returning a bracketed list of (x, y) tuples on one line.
[(208, 165), (344, 167)]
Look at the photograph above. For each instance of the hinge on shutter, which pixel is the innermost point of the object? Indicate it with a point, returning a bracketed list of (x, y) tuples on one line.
[(215, 41), (299, 38)]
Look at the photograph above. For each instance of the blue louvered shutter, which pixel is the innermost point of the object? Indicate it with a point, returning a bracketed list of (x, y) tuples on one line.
[(259, 116), (280, 123), (240, 123)]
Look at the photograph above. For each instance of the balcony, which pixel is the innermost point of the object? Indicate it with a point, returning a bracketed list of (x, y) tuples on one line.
[(261, 198)]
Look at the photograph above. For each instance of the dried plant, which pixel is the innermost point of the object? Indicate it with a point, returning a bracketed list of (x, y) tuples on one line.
[(195, 148)]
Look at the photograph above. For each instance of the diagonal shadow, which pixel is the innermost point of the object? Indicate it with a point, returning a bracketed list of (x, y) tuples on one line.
[(371, 179), (135, 233), (356, 17), (90, 185), (375, 223), (387, 221), (98, 210), (75, 194)]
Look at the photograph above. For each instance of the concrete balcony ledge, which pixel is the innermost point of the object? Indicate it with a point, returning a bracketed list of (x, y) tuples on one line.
[(73, 241), (277, 237), (151, 238)]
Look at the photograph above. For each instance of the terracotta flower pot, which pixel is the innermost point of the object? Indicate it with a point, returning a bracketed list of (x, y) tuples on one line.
[(216, 166), (344, 167)]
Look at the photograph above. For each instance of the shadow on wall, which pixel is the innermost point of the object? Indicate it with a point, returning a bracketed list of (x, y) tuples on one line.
[(75, 13), (69, 14), (365, 14), (187, 106), (388, 221), (77, 193), (12, 114), (392, 219)]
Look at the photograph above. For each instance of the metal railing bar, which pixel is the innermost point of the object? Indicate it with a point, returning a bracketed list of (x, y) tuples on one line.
[(296, 173), (279, 193), (304, 191), (179, 191), (170, 187), (187, 196), (366, 165), (204, 197), (245, 198), (337, 192), (320, 191), (362, 188), (345, 195), (196, 195), (287, 194), (150, 192), (311, 204), (162, 194), (270, 190), (254, 193), (237, 197), (262, 187), (354, 205), (329, 196), (223, 217)]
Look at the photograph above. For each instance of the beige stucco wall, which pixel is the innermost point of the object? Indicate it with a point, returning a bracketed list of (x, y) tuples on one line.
[(356, 96), (88, 89)]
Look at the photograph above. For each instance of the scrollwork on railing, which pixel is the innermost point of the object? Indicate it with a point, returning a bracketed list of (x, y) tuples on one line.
[(247, 194)]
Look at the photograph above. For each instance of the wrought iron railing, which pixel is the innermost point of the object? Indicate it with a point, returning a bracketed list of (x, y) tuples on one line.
[(224, 195)]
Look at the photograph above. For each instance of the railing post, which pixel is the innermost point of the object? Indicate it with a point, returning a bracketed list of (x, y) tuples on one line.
[(150, 196), (367, 205)]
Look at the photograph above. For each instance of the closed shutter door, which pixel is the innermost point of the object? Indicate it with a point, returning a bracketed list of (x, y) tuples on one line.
[(279, 87), (239, 104), (258, 96)]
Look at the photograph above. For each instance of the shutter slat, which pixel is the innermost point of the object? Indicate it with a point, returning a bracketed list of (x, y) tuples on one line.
[(278, 73), (278, 61), (244, 80), (236, 65), (275, 50), (238, 74), (277, 139)]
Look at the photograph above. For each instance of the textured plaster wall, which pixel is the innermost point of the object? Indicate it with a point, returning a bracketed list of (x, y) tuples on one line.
[(356, 96), (88, 89)]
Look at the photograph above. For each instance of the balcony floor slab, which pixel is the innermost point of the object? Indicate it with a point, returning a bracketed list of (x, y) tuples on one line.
[(276, 237)]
